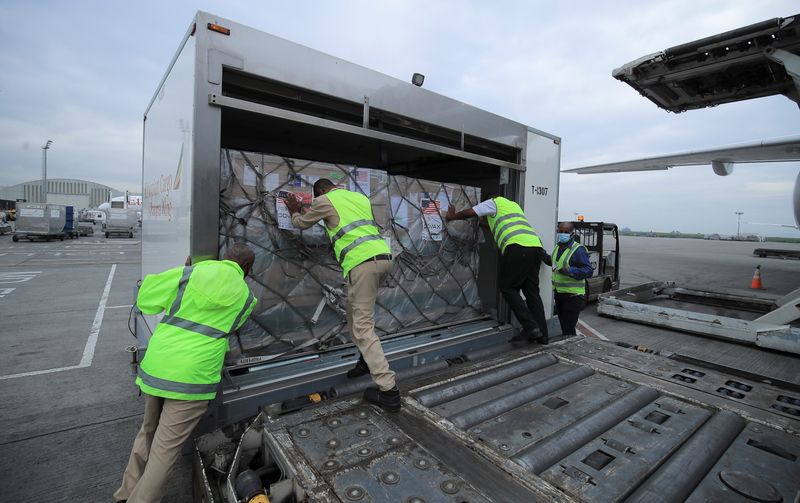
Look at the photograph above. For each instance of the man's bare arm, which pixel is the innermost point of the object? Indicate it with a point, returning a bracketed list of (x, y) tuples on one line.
[(452, 214)]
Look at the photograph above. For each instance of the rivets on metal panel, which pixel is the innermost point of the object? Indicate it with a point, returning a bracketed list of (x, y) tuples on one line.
[(332, 443), (449, 486), (390, 478), (422, 464), (362, 432), (362, 414), (612, 391), (330, 464), (504, 447), (476, 430), (354, 493), (415, 499), (756, 429), (393, 441), (591, 352), (603, 358), (499, 419), (303, 432), (623, 385), (364, 452), (527, 434), (334, 423)]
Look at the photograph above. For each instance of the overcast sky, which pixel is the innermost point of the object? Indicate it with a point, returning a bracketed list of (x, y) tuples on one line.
[(81, 73)]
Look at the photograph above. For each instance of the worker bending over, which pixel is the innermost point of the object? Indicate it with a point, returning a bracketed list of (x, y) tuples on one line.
[(180, 372), (366, 261), (520, 258), (571, 267)]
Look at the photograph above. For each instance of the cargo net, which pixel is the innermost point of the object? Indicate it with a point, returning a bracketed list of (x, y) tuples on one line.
[(299, 285)]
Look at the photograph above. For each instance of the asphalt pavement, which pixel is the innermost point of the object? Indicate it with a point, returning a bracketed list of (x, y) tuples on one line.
[(69, 407)]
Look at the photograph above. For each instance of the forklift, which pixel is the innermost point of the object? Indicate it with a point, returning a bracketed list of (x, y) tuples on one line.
[(603, 255)]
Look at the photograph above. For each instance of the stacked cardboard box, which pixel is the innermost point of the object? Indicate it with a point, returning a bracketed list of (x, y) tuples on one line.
[(299, 285)]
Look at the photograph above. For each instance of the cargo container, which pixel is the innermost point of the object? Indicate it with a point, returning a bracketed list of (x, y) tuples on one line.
[(70, 223), (241, 117), (40, 221), (120, 222)]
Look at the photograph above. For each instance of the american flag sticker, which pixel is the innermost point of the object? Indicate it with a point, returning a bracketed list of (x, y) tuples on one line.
[(430, 207), (432, 225)]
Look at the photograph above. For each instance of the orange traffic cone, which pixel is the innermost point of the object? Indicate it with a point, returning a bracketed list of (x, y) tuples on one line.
[(756, 283)]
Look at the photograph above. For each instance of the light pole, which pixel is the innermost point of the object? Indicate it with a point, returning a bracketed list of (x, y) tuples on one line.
[(738, 221), (45, 148)]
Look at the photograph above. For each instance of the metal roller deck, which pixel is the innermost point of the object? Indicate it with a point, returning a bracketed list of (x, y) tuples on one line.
[(581, 420)]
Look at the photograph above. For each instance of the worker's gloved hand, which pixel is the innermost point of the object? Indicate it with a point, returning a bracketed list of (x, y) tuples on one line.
[(451, 213)]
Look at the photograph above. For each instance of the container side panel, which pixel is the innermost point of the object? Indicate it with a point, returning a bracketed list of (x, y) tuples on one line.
[(540, 194), (167, 168), (280, 60)]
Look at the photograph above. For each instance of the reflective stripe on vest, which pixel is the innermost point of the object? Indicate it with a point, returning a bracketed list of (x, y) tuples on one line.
[(561, 282), (175, 386), (357, 237), (509, 226)]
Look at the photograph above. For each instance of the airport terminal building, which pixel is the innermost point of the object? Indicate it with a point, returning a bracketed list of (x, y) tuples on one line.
[(67, 191)]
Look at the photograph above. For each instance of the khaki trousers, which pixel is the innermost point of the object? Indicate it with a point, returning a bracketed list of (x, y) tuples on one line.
[(364, 280), (166, 426)]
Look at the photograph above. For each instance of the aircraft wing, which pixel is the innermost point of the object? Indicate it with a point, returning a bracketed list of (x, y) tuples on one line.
[(722, 159)]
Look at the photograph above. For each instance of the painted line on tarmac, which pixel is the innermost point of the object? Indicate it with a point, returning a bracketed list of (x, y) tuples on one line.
[(119, 307), (589, 331), (91, 342)]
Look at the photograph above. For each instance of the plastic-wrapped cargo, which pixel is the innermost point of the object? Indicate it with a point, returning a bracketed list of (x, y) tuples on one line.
[(299, 284)]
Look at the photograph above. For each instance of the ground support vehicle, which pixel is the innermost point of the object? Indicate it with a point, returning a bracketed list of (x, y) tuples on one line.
[(580, 420), (603, 255), (85, 229), (775, 252), (40, 221), (772, 329)]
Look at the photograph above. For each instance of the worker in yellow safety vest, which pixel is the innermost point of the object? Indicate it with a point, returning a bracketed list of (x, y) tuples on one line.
[(366, 261), (520, 259), (571, 267), (181, 370)]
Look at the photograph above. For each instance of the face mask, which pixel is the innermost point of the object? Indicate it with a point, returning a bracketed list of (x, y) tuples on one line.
[(564, 238)]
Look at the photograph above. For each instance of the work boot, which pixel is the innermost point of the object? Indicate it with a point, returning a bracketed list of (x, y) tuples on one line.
[(359, 370), (524, 337), (387, 400)]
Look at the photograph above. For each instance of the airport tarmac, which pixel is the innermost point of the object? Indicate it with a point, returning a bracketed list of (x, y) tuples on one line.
[(70, 408)]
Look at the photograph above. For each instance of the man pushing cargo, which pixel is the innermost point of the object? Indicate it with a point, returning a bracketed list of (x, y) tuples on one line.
[(520, 258), (366, 261), (180, 372)]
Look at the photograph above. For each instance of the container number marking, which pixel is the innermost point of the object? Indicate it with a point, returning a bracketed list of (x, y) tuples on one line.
[(539, 190)]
